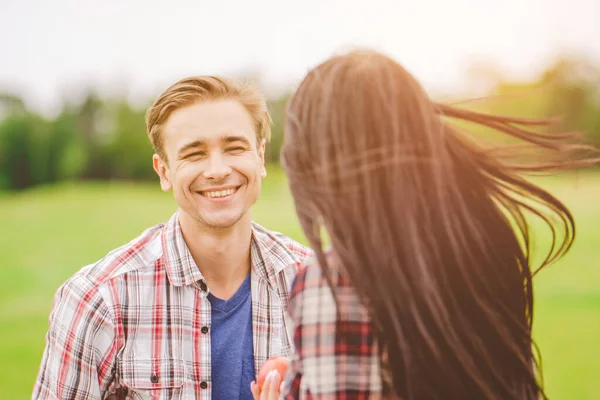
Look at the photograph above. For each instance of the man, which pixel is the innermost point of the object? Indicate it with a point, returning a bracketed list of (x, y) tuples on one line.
[(193, 307)]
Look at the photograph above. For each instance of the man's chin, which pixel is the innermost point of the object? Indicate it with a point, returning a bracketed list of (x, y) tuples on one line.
[(222, 222)]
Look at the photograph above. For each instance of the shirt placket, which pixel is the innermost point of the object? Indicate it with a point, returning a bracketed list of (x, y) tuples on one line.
[(202, 343)]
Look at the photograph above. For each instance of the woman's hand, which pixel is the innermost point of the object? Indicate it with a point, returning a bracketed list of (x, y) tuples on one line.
[(271, 388)]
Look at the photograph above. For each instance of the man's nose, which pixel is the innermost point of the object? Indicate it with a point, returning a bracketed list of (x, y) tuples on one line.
[(217, 168)]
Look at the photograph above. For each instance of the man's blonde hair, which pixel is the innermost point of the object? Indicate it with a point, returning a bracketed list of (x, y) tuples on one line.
[(206, 88)]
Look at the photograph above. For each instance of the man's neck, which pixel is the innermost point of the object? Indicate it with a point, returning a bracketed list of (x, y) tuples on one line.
[(223, 256)]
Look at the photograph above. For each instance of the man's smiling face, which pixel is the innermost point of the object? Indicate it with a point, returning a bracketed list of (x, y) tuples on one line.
[(215, 165)]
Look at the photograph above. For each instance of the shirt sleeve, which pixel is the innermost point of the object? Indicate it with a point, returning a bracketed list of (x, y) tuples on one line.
[(77, 359), (292, 385)]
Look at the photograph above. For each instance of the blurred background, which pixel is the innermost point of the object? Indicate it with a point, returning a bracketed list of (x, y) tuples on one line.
[(76, 178)]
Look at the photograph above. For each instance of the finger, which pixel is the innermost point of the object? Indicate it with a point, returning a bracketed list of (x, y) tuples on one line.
[(255, 390), (269, 389), (274, 388), (264, 391), (275, 382)]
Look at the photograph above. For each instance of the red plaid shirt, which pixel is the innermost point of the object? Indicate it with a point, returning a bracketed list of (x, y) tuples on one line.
[(139, 319), (334, 358)]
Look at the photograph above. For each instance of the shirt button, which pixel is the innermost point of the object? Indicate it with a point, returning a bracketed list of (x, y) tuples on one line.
[(154, 378), (203, 384), (204, 329), (203, 286)]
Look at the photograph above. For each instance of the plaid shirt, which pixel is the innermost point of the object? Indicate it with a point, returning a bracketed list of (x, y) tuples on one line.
[(138, 321), (334, 358)]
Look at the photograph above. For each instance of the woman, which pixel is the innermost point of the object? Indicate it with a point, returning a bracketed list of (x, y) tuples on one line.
[(426, 292)]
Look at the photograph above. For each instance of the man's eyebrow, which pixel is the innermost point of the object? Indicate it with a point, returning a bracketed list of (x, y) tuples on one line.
[(231, 139), (191, 145)]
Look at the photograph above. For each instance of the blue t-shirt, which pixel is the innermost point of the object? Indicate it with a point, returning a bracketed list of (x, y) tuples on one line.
[(232, 354)]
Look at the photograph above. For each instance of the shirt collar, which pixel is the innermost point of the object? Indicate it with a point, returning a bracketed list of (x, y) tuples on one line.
[(268, 254)]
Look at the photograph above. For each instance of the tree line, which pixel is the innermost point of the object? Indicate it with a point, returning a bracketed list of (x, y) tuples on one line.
[(100, 138)]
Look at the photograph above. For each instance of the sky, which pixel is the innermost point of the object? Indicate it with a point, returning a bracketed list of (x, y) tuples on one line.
[(52, 49)]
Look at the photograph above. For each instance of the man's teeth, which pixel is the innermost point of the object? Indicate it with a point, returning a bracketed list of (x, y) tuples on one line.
[(219, 193)]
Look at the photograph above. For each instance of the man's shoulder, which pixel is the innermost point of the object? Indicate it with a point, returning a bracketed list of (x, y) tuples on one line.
[(139, 253), (281, 245)]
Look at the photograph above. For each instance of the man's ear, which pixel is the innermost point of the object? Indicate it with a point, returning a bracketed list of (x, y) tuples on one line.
[(162, 169), (261, 154)]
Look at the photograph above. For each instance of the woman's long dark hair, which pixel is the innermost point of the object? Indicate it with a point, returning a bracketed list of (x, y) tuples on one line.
[(430, 227)]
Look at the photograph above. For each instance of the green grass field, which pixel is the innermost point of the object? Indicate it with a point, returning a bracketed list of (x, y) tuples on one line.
[(49, 233)]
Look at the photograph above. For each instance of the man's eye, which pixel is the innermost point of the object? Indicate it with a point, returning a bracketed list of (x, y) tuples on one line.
[(196, 154), (236, 149)]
